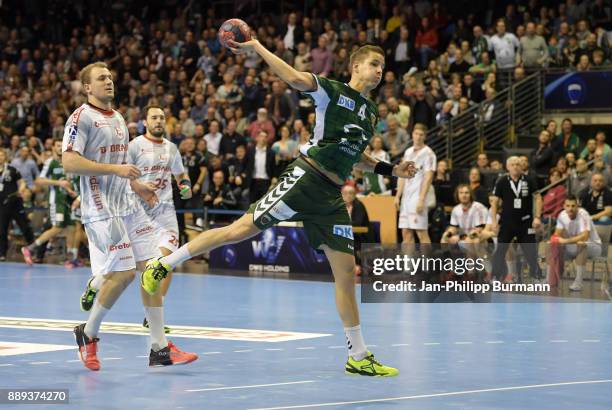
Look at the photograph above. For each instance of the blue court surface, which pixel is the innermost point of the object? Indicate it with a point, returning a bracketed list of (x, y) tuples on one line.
[(278, 344)]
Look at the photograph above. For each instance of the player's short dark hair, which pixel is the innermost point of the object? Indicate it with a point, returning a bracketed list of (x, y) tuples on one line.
[(150, 107), (362, 52), (571, 197)]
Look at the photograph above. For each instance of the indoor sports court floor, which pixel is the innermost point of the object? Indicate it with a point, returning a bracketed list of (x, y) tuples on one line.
[(274, 343)]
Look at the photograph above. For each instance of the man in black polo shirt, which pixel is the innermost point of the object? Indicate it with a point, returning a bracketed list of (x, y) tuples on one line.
[(517, 219), (11, 204), (597, 200)]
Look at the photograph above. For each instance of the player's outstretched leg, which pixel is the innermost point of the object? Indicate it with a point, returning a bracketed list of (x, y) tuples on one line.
[(360, 361), (157, 269)]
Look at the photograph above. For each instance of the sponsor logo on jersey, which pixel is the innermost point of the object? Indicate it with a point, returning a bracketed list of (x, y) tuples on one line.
[(114, 148), (74, 128), (94, 186), (124, 245), (346, 102), (119, 132), (100, 124), (143, 230), (346, 231)]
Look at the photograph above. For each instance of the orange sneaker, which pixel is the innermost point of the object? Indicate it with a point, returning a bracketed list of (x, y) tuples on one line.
[(88, 348), (170, 355)]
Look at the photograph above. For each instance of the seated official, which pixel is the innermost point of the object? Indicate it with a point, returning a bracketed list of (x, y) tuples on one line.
[(220, 197), (597, 200), (576, 231)]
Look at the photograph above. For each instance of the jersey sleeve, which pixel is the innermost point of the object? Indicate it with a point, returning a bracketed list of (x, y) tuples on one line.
[(133, 152), (323, 92), (498, 188), (430, 162), (560, 221), (176, 166), (76, 131), (481, 216), (583, 221), (46, 168)]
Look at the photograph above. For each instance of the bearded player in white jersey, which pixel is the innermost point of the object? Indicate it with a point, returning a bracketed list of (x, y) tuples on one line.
[(121, 236), (158, 160)]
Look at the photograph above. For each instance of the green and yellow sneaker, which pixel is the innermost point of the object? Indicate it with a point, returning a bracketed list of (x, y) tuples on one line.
[(88, 297), (368, 366), (152, 274)]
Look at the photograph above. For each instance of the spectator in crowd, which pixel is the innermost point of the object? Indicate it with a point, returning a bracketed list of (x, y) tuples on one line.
[(229, 92), (479, 44), (303, 60), (213, 138), (422, 107), (471, 89), (285, 149), (459, 65), (482, 162), (442, 184), (322, 58), (402, 52), (534, 51), (562, 167), (552, 202), (230, 140), (479, 191), (484, 66), (400, 112), (576, 231), (567, 141), (426, 42), (293, 33), (220, 197), (580, 178), (603, 149), (597, 200), (262, 123), (237, 171), (589, 150), (280, 105), (396, 139), (375, 184), (542, 158), (26, 166), (261, 167), (505, 46)]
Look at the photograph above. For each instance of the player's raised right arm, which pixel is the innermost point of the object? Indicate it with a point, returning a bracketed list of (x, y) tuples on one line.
[(300, 80)]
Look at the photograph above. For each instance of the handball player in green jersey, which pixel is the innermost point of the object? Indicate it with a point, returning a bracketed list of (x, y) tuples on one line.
[(309, 188)]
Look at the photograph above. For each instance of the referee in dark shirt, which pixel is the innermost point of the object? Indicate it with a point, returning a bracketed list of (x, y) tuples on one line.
[(517, 220), (11, 204)]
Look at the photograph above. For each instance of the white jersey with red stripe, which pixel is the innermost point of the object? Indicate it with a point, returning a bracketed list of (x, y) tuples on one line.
[(100, 136), (470, 218), (158, 161), (582, 222)]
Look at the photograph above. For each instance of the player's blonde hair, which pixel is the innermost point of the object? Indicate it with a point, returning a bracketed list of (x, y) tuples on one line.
[(362, 52), (85, 74)]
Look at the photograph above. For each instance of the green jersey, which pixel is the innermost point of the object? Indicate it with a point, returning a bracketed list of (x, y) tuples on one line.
[(54, 170), (345, 122)]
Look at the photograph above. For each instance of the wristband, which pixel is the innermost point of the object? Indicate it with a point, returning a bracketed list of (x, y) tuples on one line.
[(383, 168), (185, 181)]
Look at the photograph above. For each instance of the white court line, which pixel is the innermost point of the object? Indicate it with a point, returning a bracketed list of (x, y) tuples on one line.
[(494, 342), (78, 360), (526, 341), (400, 344), (212, 353), (305, 348), (274, 349), (336, 347), (112, 358), (463, 343), (6, 364), (558, 341), (425, 396), (590, 341), (37, 363), (431, 344), (243, 351), (249, 387), (143, 356)]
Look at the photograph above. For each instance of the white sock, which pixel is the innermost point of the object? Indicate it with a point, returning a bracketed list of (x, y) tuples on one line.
[(95, 319), (356, 345), (511, 268), (97, 282), (177, 257), (73, 253), (155, 317), (579, 272)]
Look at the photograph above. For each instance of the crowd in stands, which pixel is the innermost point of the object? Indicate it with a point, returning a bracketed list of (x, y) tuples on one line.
[(224, 110)]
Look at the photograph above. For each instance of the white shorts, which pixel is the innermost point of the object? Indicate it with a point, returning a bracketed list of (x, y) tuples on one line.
[(593, 250), (163, 217), (408, 217), (116, 244)]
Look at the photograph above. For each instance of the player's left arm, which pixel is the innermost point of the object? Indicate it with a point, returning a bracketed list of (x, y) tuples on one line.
[(537, 222), (368, 163)]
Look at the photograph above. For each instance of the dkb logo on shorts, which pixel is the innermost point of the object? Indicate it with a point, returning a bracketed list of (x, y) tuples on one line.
[(346, 231)]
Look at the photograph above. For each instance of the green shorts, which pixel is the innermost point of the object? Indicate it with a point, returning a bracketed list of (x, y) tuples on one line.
[(59, 213), (303, 194)]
